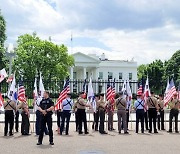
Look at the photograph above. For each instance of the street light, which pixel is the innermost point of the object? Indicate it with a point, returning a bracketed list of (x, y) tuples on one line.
[(10, 54)]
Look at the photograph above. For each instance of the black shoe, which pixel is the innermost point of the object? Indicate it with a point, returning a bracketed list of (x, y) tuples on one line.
[(150, 131), (170, 131), (96, 130), (11, 134), (51, 143), (67, 133), (113, 129), (105, 132), (126, 132), (119, 132), (177, 131), (86, 133), (5, 134), (39, 143), (142, 132), (80, 132), (156, 132)]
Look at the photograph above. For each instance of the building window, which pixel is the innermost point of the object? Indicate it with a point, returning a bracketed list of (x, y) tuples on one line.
[(100, 75), (110, 75), (74, 75), (120, 76), (130, 76)]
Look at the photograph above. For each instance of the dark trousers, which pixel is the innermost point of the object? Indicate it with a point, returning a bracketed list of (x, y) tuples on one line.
[(9, 120), (152, 118), (77, 120), (66, 115), (173, 113), (47, 119), (96, 120), (25, 124), (17, 121), (146, 119), (110, 120), (38, 120), (161, 120), (127, 119), (82, 118), (140, 116), (59, 118), (102, 119)]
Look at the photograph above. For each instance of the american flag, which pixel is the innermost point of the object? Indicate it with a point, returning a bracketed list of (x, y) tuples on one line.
[(109, 91), (140, 90), (62, 95), (171, 91), (179, 91), (21, 92)]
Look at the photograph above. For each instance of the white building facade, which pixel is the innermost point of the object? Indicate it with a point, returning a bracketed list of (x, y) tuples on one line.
[(102, 69)]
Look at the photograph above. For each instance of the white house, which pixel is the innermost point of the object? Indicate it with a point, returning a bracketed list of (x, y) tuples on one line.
[(100, 68)]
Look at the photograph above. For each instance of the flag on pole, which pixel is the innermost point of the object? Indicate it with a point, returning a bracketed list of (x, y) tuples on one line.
[(124, 89), (10, 79), (179, 91), (129, 92), (140, 89), (1, 103), (12, 93), (62, 95), (90, 95), (41, 87), (3, 75), (147, 92), (113, 88), (84, 88), (35, 91), (109, 91), (21, 92), (167, 87), (171, 91)]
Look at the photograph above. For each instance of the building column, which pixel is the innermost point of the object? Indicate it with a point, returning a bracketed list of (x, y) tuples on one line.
[(71, 78), (84, 73)]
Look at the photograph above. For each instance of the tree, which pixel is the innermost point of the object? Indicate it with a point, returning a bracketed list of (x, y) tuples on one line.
[(34, 54), (172, 67), (2, 39), (155, 72)]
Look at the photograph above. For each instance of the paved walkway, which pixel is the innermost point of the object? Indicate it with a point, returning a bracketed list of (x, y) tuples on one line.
[(113, 143)]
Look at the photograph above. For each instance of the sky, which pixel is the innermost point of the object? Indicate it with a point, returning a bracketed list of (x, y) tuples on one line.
[(143, 30)]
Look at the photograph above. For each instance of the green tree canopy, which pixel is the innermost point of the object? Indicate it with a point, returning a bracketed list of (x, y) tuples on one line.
[(2, 40), (44, 56), (172, 67)]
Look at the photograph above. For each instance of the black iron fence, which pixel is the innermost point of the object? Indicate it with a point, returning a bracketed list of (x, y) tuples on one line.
[(76, 86)]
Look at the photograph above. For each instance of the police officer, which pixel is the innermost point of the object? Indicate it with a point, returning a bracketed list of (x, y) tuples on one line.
[(81, 106), (121, 106), (101, 106), (66, 113), (25, 117), (96, 115), (46, 107), (161, 113), (174, 105), (9, 107), (139, 107), (152, 112)]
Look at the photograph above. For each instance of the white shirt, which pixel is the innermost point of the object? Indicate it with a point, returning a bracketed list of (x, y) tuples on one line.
[(67, 104)]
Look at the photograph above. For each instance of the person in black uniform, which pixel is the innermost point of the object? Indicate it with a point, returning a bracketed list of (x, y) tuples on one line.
[(9, 107), (46, 107)]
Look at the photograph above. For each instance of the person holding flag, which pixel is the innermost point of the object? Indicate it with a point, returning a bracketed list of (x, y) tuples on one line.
[(161, 113), (9, 107), (174, 112), (22, 98)]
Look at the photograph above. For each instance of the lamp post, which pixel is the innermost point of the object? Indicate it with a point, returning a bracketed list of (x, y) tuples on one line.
[(10, 54)]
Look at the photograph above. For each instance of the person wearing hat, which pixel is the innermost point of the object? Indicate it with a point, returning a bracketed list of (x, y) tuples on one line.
[(152, 112), (121, 106), (66, 114), (81, 107), (174, 105), (102, 106), (9, 107), (139, 107), (161, 113)]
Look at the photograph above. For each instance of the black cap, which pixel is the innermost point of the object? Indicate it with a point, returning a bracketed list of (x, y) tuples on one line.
[(120, 93), (80, 93), (68, 94), (102, 95)]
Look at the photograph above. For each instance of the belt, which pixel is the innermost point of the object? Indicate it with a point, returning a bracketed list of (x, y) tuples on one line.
[(122, 109)]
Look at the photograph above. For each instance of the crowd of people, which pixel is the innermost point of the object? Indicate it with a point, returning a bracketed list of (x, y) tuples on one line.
[(149, 112)]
